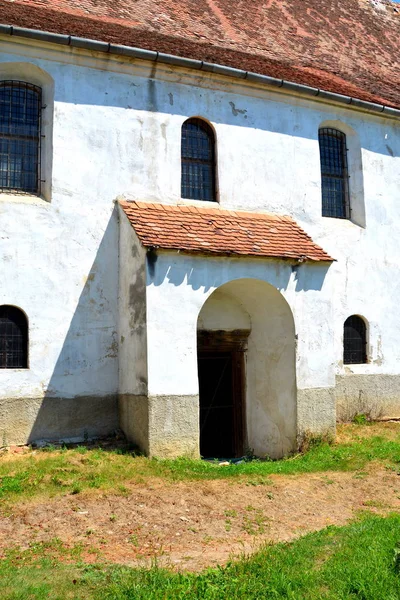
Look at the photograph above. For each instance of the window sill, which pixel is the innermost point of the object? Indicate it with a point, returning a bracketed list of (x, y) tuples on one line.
[(343, 222), (338, 219), (369, 368), (23, 199), (191, 202)]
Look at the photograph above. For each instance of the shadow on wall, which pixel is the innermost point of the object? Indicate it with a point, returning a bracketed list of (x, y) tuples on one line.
[(198, 272), (309, 276), (81, 397), (81, 400), (157, 96)]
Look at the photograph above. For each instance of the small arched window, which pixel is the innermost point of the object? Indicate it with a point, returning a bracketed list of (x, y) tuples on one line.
[(13, 338), (354, 341), (198, 160), (20, 111), (334, 173)]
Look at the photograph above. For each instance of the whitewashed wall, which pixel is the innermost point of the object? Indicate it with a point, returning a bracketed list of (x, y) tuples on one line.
[(116, 132)]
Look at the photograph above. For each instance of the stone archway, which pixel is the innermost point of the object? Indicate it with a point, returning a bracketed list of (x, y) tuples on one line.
[(249, 318)]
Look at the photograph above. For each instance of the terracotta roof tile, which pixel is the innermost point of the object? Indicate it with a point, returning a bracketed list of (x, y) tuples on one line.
[(224, 232), (345, 46)]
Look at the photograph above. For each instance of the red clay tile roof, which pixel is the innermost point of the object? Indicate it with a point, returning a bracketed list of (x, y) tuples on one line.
[(349, 47), (218, 231)]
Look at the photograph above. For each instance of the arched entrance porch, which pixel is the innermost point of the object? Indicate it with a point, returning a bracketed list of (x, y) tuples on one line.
[(246, 369)]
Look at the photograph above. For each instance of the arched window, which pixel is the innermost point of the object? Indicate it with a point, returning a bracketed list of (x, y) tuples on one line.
[(198, 160), (13, 338), (334, 173), (20, 111), (354, 341)]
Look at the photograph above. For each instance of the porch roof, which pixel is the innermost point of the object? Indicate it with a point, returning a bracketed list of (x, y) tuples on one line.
[(218, 231)]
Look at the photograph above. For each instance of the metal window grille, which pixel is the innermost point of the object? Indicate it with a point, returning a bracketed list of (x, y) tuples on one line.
[(198, 161), (13, 338), (20, 117), (334, 173), (354, 341)]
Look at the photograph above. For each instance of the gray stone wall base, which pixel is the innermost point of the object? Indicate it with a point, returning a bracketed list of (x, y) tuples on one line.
[(28, 420), (174, 426), (162, 426), (376, 396), (316, 412), (134, 419), (168, 426)]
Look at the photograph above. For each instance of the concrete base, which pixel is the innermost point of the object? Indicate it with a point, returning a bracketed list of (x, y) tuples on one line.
[(316, 412), (174, 426), (27, 420), (163, 426), (373, 395), (168, 426), (134, 420)]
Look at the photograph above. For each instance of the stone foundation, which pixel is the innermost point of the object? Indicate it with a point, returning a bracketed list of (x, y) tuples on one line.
[(316, 412), (163, 426), (28, 420), (168, 426), (134, 420), (376, 396)]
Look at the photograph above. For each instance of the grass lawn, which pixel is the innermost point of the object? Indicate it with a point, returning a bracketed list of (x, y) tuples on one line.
[(51, 472), (360, 560)]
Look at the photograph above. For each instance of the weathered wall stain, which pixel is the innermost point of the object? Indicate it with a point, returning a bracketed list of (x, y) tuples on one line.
[(237, 111), (389, 149), (151, 258), (137, 299)]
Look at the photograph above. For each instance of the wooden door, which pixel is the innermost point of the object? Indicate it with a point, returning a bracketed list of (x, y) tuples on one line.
[(221, 386)]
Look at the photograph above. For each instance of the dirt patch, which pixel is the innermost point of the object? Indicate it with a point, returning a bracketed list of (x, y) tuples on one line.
[(193, 525)]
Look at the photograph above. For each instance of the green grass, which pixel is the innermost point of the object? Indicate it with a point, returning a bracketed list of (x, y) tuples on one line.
[(43, 571), (50, 473), (357, 561), (360, 560)]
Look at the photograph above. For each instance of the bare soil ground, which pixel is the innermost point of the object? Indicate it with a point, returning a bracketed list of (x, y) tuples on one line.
[(192, 525)]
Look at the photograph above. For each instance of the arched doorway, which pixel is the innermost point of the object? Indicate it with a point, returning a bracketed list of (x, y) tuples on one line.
[(246, 369)]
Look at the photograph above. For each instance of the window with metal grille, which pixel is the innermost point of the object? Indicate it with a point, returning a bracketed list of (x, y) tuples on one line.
[(13, 338), (334, 173), (354, 341), (20, 115), (198, 160)]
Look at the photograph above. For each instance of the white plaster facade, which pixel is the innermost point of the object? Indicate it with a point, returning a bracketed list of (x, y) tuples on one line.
[(102, 325)]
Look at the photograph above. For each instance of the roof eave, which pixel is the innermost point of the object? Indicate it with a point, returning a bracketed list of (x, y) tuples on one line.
[(154, 56), (231, 254)]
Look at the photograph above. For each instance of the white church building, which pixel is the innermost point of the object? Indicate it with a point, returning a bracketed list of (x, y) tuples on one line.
[(199, 222)]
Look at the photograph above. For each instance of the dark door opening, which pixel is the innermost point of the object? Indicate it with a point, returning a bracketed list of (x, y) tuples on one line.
[(221, 387)]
